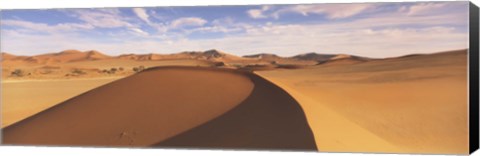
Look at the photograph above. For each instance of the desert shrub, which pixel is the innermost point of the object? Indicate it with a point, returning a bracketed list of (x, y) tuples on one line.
[(120, 68), (77, 72), (111, 71), (18, 73), (219, 64), (138, 69), (237, 65)]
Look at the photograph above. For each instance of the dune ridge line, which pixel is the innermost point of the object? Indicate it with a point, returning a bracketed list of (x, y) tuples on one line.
[(162, 103)]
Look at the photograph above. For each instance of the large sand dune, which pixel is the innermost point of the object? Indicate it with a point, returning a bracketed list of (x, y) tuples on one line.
[(166, 103), (24, 98), (412, 104), (268, 119)]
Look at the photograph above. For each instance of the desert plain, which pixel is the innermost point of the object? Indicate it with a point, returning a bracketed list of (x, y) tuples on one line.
[(211, 99)]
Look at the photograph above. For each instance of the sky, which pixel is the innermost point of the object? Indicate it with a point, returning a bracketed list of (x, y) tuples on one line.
[(364, 29)]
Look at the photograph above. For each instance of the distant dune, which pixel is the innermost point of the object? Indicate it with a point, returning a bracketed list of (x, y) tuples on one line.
[(314, 57), (92, 63), (66, 56), (7, 56), (169, 105), (343, 59), (210, 55)]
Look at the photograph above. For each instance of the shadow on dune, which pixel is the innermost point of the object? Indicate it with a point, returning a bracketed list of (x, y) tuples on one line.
[(187, 107), (268, 119)]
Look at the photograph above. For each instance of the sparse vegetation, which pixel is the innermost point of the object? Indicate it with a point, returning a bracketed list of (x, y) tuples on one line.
[(111, 70), (76, 72), (18, 73), (237, 65), (219, 64), (138, 69)]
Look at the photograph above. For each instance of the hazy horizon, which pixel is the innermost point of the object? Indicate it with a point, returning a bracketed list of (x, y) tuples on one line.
[(293, 54), (365, 29)]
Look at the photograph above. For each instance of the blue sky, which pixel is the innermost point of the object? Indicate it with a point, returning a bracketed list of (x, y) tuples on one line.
[(366, 29)]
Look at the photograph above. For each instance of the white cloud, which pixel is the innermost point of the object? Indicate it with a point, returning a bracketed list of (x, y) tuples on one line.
[(216, 28), (421, 8), (103, 18), (45, 28), (283, 40), (188, 21), (139, 31), (258, 13), (224, 25), (332, 11), (142, 14), (224, 21)]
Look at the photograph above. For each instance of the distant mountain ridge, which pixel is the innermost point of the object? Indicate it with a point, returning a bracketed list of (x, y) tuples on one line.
[(212, 55), (314, 56)]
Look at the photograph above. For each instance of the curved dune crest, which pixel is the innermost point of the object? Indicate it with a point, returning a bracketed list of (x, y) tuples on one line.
[(165, 106), (135, 111), (268, 119)]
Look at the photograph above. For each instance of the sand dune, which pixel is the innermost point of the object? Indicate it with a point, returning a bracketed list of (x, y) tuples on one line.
[(414, 104), (78, 64), (166, 103), (268, 119), (42, 94), (95, 64), (211, 55), (314, 57), (343, 60), (308, 59), (67, 56), (7, 56), (409, 104), (136, 111), (278, 60)]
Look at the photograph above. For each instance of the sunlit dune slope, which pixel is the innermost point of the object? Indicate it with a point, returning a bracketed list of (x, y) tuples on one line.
[(268, 119), (135, 111), (411, 104), (166, 103), (21, 99)]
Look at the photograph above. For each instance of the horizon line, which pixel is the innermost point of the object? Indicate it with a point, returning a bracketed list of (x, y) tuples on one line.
[(314, 52)]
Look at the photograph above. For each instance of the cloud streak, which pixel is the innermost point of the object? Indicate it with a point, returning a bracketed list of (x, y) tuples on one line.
[(188, 21), (258, 13), (41, 27), (102, 18), (142, 14), (331, 11), (421, 8)]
